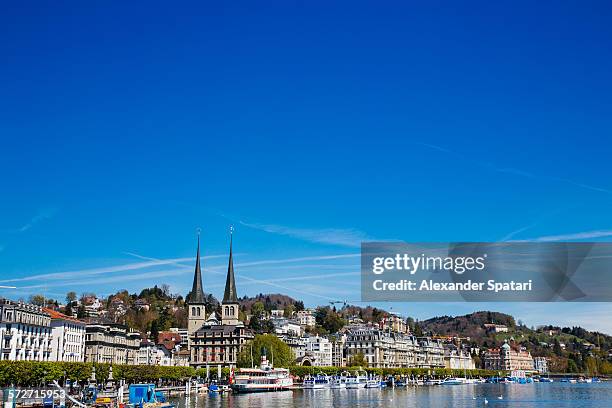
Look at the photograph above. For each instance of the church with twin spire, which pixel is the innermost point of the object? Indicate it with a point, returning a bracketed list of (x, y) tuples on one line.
[(215, 340)]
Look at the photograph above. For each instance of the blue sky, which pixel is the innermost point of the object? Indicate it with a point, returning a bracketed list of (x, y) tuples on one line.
[(310, 127)]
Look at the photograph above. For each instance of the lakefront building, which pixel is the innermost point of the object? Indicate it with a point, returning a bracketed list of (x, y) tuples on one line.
[(111, 343), (388, 349), (25, 332), (68, 337), (507, 359), (213, 341)]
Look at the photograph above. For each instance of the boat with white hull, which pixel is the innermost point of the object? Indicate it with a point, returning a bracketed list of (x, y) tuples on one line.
[(359, 380), (317, 382), (264, 378)]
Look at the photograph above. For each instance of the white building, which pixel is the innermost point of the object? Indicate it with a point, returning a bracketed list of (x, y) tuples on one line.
[(68, 337), (287, 327), (338, 342), (25, 332), (540, 365), (320, 348), (111, 343), (385, 349), (152, 354), (306, 318), (92, 306), (458, 360), (277, 313)]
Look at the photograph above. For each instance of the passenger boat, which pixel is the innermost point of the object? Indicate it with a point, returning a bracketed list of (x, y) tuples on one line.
[(317, 382), (264, 378), (373, 382), (359, 380), (546, 380), (339, 381)]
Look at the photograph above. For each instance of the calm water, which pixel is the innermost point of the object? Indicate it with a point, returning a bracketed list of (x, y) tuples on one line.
[(555, 395)]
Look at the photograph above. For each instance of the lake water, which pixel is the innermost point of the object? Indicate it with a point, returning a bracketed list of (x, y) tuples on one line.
[(554, 395)]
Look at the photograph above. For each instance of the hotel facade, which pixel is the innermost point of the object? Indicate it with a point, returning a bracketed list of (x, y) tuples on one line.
[(507, 359), (25, 332), (68, 337), (111, 343)]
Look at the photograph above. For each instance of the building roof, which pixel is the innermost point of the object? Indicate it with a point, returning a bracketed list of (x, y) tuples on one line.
[(197, 292), (230, 295), (55, 315), (168, 336)]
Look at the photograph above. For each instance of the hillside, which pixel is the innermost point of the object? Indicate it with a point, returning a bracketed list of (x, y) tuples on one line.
[(568, 349), (270, 301)]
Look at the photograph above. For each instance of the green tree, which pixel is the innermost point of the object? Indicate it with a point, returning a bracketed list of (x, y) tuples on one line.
[(358, 360), (81, 311), (557, 348), (71, 297), (274, 348), (154, 331), (38, 300), (289, 309), (571, 366), (258, 309), (333, 322)]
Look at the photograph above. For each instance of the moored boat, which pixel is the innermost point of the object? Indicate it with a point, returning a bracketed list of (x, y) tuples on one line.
[(373, 382), (339, 381), (358, 380), (264, 378), (454, 381), (317, 382)]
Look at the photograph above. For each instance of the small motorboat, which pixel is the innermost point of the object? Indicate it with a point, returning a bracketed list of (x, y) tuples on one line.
[(454, 381)]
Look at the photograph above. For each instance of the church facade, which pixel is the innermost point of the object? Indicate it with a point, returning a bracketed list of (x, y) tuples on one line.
[(215, 341)]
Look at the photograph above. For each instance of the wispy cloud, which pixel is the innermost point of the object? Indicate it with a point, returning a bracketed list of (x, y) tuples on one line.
[(513, 171), (109, 280), (332, 236), (79, 274), (42, 215), (577, 236), (539, 220)]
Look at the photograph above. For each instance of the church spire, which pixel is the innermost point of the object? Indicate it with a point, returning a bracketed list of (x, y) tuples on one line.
[(197, 293), (230, 285)]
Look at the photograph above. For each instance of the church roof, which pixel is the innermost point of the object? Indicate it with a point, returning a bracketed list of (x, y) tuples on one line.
[(230, 295), (197, 292)]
